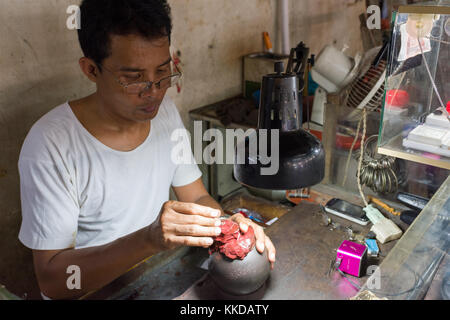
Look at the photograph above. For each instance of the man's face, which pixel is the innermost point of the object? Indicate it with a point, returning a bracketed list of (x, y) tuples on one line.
[(134, 59)]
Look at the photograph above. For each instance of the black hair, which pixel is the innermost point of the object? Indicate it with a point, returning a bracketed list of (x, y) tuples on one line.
[(102, 18)]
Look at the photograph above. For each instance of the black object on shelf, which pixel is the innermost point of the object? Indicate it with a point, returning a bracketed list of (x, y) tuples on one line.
[(412, 201), (408, 216)]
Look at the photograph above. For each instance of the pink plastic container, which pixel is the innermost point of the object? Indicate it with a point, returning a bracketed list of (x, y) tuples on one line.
[(350, 257)]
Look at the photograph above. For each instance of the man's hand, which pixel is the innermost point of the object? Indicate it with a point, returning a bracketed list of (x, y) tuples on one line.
[(185, 224), (262, 241)]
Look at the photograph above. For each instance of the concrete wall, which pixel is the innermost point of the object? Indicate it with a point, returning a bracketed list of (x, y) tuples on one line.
[(39, 70), (213, 35)]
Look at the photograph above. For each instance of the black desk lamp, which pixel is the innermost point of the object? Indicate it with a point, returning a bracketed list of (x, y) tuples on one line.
[(301, 155)]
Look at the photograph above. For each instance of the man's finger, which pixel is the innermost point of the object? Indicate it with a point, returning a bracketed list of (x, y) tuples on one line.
[(179, 218), (193, 241), (196, 230), (260, 238), (271, 250), (243, 222), (262, 241), (243, 226), (196, 209)]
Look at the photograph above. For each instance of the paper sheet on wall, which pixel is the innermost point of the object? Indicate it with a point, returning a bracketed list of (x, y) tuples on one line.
[(410, 46)]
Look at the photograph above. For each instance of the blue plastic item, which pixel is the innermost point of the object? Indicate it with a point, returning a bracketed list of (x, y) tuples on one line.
[(372, 247)]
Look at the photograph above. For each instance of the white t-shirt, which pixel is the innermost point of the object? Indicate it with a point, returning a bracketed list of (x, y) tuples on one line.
[(77, 192)]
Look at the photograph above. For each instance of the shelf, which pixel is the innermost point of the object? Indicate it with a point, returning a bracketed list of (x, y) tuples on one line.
[(414, 77), (394, 148)]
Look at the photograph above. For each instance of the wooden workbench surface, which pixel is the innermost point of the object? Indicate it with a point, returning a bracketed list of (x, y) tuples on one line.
[(306, 246)]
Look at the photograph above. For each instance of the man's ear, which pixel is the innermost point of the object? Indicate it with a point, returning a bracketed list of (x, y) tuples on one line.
[(89, 68)]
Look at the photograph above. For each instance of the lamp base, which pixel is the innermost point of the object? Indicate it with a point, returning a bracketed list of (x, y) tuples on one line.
[(301, 163)]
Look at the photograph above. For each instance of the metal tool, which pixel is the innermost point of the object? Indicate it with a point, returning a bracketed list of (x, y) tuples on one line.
[(412, 201)]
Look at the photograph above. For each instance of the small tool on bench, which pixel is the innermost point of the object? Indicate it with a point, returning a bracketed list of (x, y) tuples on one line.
[(384, 206)]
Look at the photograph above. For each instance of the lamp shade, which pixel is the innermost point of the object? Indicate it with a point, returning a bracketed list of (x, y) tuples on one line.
[(299, 157)]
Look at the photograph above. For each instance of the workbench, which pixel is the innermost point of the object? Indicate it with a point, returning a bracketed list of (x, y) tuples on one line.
[(306, 250), (414, 267), (306, 247)]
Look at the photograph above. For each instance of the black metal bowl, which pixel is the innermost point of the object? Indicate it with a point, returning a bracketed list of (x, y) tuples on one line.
[(240, 277)]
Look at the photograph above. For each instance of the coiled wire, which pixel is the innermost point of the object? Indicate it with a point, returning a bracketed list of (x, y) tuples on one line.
[(377, 171)]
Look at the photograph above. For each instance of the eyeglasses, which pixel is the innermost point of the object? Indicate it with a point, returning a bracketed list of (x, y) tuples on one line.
[(141, 87)]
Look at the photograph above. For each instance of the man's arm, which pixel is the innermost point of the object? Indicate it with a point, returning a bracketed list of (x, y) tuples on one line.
[(98, 265), (196, 193), (178, 224)]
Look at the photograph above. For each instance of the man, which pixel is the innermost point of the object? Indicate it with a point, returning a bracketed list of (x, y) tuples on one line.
[(96, 172)]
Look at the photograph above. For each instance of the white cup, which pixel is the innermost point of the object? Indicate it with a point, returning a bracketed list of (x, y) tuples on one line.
[(331, 68)]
